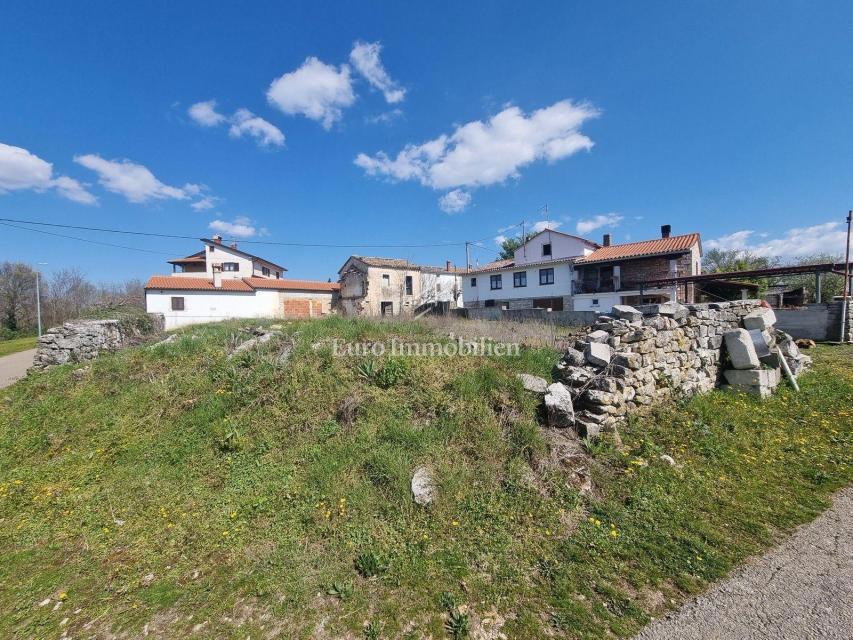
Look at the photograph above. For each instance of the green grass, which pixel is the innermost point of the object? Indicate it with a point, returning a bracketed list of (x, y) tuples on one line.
[(15, 345), (172, 487)]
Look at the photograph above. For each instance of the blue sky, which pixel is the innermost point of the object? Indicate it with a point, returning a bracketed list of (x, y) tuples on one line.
[(731, 119)]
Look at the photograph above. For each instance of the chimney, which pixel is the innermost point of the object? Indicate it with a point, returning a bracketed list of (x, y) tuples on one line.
[(217, 239), (665, 230), (448, 265), (217, 276), (606, 241)]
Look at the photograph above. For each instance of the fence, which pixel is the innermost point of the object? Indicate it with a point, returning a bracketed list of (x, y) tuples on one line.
[(819, 322)]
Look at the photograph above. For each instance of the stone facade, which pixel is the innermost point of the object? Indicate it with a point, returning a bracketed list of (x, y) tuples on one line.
[(635, 357), (81, 340)]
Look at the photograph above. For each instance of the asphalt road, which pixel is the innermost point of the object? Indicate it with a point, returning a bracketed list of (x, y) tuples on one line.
[(802, 589), (14, 367)]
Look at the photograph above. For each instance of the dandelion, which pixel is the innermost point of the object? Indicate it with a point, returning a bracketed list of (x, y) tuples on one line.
[(225, 534), (613, 533), (63, 596), (233, 514), (456, 523)]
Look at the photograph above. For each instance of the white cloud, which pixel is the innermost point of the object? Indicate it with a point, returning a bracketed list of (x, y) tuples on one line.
[(545, 224), (386, 117), (22, 170), (73, 190), (265, 133), (500, 239), (133, 181), (536, 228), (483, 153), (828, 237), (316, 90), (596, 222), (207, 202), (205, 114), (454, 201), (241, 227), (365, 58)]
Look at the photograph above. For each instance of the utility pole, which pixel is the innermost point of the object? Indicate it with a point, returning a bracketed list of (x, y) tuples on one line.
[(38, 302), (523, 239), (846, 290), (467, 257)]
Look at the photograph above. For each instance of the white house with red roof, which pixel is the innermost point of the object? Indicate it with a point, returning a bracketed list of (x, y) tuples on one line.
[(558, 271), (221, 282)]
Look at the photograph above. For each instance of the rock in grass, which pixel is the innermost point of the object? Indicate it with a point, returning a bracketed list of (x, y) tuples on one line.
[(558, 406), (532, 383), (424, 490), (574, 357)]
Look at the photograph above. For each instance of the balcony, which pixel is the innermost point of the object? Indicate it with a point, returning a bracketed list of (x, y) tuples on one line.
[(606, 285)]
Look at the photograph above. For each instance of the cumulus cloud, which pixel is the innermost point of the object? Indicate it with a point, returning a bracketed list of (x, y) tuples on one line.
[(244, 122), (205, 114), (207, 202), (316, 90), (596, 222), (545, 224), (828, 237), (240, 227), (21, 170), (365, 58), (454, 201), (480, 153), (134, 181)]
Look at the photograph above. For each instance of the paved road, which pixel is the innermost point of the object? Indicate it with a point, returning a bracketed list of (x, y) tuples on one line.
[(803, 589), (15, 366)]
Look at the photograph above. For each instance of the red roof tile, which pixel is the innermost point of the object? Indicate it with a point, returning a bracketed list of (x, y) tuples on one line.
[(194, 284), (295, 285), (659, 246)]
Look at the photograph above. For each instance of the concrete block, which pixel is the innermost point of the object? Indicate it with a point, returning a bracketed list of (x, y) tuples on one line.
[(766, 377), (741, 350)]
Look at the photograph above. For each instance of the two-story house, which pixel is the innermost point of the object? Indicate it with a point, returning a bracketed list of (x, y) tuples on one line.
[(558, 271), (221, 282), (374, 286)]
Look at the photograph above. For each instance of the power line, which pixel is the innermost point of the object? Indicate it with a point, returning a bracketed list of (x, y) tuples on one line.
[(62, 235)]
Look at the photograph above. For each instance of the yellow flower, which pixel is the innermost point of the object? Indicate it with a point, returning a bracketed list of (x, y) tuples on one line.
[(225, 533), (63, 596), (455, 523), (613, 533), (233, 514)]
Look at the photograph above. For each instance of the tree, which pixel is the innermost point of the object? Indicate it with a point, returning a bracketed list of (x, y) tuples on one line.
[(723, 260), (509, 245), (17, 296), (831, 284)]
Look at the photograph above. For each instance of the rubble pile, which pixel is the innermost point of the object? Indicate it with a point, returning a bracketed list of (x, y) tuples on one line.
[(634, 357)]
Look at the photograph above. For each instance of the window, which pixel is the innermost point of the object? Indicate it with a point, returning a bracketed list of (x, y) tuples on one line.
[(177, 304), (496, 282), (519, 279), (489, 303), (277, 275), (230, 266), (595, 302), (265, 271), (386, 280), (546, 276), (473, 282), (408, 285), (546, 249)]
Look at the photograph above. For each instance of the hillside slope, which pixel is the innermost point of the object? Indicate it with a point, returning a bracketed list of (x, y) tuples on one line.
[(178, 492)]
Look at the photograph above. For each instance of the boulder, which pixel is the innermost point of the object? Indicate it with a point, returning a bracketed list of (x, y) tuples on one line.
[(761, 319), (598, 336), (598, 354), (627, 312), (424, 490), (574, 358), (558, 406), (532, 383), (741, 350)]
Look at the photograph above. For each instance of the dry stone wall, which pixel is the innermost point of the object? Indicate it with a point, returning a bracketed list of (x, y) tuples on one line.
[(81, 340), (634, 357)]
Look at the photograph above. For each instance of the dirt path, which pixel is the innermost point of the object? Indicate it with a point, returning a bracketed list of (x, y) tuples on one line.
[(803, 589), (14, 367)]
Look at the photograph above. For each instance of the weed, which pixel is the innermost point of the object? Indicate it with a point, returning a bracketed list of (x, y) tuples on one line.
[(372, 630), (458, 624), (342, 590), (369, 565)]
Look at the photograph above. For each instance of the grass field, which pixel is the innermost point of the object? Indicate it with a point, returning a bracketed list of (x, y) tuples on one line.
[(174, 491), (18, 344)]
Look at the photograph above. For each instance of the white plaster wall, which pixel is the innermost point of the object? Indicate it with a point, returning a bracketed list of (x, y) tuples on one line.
[(441, 287), (584, 301), (212, 306), (562, 284), (220, 254), (561, 247)]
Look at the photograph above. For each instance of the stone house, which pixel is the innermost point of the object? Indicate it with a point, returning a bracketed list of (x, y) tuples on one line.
[(375, 286), (561, 272)]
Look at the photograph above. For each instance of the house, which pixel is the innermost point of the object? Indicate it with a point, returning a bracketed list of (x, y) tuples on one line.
[(221, 282), (558, 271), (374, 286)]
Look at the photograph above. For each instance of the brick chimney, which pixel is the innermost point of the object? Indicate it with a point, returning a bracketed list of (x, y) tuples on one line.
[(606, 241), (665, 230), (217, 239)]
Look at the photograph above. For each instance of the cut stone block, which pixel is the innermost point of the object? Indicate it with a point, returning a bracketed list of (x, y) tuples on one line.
[(598, 336), (598, 354), (761, 319), (767, 377), (741, 350), (627, 312), (760, 390), (532, 383), (558, 406)]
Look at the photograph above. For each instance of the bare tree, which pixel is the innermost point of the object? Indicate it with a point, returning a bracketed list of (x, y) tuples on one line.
[(17, 296)]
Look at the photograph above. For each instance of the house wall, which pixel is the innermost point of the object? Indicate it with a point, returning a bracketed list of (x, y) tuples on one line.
[(561, 247), (212, 306), (441, 287), (221, 253), (323, 298), (603, 302), (522, 297)]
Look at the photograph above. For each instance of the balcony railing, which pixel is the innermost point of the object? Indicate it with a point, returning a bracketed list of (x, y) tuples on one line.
[(609, 285)]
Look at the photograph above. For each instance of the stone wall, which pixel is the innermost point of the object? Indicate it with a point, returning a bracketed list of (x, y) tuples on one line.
[(561, 318), (635, 357), (81, 340)]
